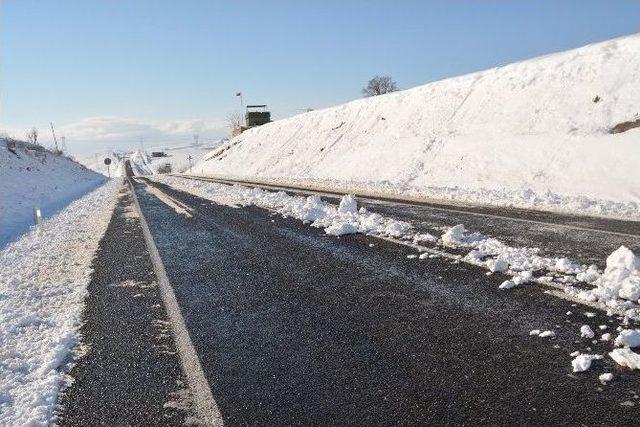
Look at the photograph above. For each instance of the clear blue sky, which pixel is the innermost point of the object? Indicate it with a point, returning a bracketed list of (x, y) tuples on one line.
[(105, 71)]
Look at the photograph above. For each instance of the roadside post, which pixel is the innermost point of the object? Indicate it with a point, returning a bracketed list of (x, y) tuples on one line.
[(37, 217), (107, 161)]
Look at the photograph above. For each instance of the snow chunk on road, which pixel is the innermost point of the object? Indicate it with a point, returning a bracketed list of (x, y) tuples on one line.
[(605, 378), (586, 331), (582, 362), (44, 276), (628, 338), (626, 357), (621, 277), (497, 265), (348, 205)]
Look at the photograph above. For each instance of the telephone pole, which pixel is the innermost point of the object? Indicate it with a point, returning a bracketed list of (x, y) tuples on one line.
[(195, 139), (55, 140)]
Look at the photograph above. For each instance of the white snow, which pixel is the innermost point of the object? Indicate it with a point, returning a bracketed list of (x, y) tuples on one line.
[(605, 337), (605, 378), (43, 279), (34, 177), (582, 362), (546, 334), (527, 134), (626, 357), (628, 338), (620, 280), (586, 332)]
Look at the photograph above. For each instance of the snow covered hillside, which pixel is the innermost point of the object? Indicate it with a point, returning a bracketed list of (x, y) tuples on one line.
[(31, 176), (541, 133)]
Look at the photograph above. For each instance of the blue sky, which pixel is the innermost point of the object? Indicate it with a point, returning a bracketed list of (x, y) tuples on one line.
[(107, 72)]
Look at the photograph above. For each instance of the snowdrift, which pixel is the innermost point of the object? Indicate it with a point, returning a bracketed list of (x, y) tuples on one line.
[(31, 176), (541, 133)]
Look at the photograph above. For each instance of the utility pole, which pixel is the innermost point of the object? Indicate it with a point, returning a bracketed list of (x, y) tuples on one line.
[(63, 143), (54, 136), (190, 163), (141, 145), (195, 138)]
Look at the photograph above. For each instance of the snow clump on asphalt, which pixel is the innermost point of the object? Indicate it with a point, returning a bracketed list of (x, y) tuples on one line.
[(626, 357), (628, 338), (582, 362), (586, 332)]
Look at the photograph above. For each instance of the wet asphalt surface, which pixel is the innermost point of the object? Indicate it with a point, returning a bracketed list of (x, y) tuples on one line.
[(294, 327), (587, 239), (130, 375)]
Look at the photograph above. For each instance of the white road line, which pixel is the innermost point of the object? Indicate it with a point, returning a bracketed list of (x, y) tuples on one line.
[(205, 404)]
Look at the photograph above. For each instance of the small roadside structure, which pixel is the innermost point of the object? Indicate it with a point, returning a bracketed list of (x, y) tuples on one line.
[(158, 154), (255, 115)]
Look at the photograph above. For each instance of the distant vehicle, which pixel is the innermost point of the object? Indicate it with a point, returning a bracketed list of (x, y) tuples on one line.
[(158, 154)]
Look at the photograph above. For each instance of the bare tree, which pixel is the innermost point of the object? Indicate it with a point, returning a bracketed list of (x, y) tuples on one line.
[(234, 120), (32, 135), (379, 85)]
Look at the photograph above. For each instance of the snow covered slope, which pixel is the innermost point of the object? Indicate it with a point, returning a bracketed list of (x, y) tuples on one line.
[(31, 176), (531, 134)]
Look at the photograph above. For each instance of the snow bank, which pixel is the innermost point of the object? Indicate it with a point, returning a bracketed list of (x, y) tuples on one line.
[(43, 279), (31, 176), (531, 134), (343, 219)]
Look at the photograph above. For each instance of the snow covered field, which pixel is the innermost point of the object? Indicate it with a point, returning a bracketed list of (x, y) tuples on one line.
[(33, 177), (43, 280), (533, 134)]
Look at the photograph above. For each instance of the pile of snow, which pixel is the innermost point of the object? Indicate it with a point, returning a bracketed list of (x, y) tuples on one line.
[(30, 177), (343, 219), (43, 280), (618, 287), (621, 278), (531, 134)]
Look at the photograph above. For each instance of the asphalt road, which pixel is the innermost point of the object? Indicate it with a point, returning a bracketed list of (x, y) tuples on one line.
[(130, 374), (294, 327)]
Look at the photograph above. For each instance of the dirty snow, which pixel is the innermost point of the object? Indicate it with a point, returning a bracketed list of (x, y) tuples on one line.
[(43, 279)]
